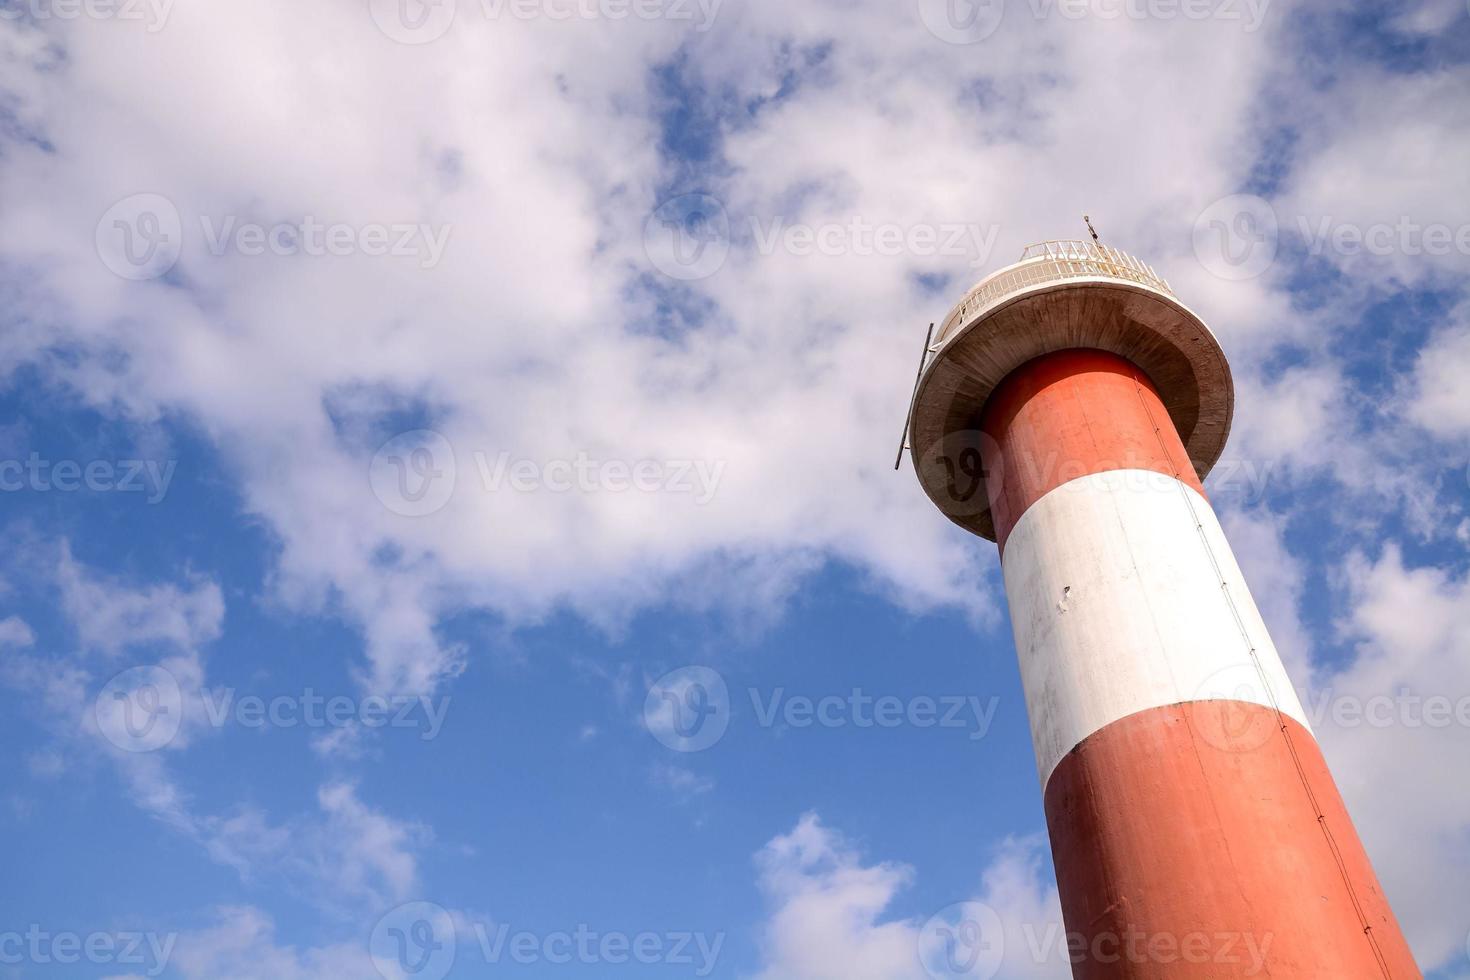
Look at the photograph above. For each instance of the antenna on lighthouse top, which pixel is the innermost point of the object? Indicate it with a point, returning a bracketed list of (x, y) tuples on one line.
[(1091, 229)]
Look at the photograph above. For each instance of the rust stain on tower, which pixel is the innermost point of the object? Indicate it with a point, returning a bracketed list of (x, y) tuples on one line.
[(1070, 410)]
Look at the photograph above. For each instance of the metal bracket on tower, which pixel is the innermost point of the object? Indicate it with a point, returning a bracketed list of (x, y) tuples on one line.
[(903, 441)]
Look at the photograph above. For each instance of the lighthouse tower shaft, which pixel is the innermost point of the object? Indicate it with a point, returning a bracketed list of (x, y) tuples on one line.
[(1070, 412), (1194, 824)]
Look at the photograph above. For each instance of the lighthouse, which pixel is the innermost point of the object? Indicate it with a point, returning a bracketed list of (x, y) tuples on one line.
[(1069, 409)]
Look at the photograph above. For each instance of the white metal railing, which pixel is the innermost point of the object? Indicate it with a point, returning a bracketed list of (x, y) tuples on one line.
[(1048, 262)]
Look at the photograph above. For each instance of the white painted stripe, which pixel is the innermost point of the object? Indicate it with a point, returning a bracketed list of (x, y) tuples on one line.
[(1117, 607)]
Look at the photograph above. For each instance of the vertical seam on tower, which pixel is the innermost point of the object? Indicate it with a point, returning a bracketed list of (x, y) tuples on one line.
[(1265, 685)]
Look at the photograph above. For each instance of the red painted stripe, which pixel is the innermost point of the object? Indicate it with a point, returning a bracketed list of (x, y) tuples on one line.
[(1068, 415), (1197, 820)]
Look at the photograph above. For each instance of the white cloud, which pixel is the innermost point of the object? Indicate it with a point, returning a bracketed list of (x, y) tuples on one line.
[(345, 856), (345, 853), (242, 945), (1402, 778), (827, 918), (545, 332), (1310, 429), (1382, 156), (14, 632), (535, 335), (1429, 16), (1439, 402), (825, 923), (682, 782), (364, 844), (1396, 764), (110, 616), (1276, 578), (1290, 420)]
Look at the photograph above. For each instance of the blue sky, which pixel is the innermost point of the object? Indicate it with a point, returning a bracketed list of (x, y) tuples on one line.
[(485, 372)]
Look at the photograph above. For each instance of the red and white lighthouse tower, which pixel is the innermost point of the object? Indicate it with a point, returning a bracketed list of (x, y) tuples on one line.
[(1070, 409)]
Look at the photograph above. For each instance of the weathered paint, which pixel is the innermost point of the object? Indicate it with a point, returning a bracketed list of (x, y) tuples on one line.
[(1117, 607), (1181, 853), (1185, 793), (1069, 415)]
